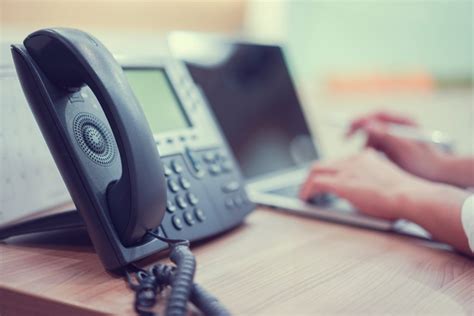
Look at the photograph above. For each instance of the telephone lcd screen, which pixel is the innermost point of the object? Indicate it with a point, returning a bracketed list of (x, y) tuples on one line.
[(153, 90)]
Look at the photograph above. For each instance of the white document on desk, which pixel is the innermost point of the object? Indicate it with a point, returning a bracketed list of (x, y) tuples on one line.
[(30, 180)]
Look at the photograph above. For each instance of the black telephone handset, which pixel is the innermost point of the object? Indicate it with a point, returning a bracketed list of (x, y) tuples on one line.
[(71, 59), (106, 154)]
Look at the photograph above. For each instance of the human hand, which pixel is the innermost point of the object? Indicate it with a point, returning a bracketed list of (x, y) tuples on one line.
[(381, 117), (378, 188), (419, 158), (368, 181)]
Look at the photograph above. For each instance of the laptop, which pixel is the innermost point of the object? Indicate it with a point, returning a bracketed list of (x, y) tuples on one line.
[(251, 92)]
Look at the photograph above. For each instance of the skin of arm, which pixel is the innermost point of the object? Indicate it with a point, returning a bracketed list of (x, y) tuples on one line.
[(379, 188), (437, 208)]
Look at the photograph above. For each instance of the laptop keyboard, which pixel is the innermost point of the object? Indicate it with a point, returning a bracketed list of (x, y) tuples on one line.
[(322, 199), (287, 191)]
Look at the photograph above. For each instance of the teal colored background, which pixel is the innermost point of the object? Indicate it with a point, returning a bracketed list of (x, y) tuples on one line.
[(384, 36)]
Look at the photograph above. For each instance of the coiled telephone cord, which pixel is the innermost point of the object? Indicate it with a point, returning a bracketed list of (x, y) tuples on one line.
[(200, 297), (180, 277)]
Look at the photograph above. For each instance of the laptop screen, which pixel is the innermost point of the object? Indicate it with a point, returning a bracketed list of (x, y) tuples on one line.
[(250, 90)]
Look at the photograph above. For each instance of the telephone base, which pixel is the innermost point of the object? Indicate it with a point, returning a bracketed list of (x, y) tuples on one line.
[(64, 220)]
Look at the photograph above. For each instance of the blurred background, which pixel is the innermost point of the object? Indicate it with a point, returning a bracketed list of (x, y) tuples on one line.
[(346, 56)]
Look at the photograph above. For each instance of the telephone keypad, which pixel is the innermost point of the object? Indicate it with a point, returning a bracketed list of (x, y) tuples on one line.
[(232, 194), (186, 215), (205, 194), (217, 163)]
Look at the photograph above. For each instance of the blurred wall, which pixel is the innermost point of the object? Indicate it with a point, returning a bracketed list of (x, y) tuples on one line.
[(130, 24), (126, 27), (388, 36), (142, 15)]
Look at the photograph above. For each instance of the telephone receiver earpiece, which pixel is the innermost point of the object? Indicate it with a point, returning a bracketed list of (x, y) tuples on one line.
[(70, 59)]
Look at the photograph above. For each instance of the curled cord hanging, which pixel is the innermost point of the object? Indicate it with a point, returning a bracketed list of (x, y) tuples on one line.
[(182, 282), (180, 277), (146, 289), (208, 304)]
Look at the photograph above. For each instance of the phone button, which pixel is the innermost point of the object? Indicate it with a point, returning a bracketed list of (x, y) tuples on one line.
[(229, 203), (167, 171), (176, 166), (209, 157), (199, 214), (193, 199), (196, 164), (173, 186), (170, 207), (177, 222), (181, 202), (188, 218), (199, 170), (185, 184), (192, 156), (232, 186), (215, 169)]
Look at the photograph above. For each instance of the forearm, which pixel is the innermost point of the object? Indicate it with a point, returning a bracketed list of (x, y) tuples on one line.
[(437, 208), (458, 171)]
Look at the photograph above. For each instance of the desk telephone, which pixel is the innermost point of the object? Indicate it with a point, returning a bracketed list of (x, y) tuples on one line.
[(104, 122)]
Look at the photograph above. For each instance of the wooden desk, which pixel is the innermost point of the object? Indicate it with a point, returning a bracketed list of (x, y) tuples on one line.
[(273, 264)]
